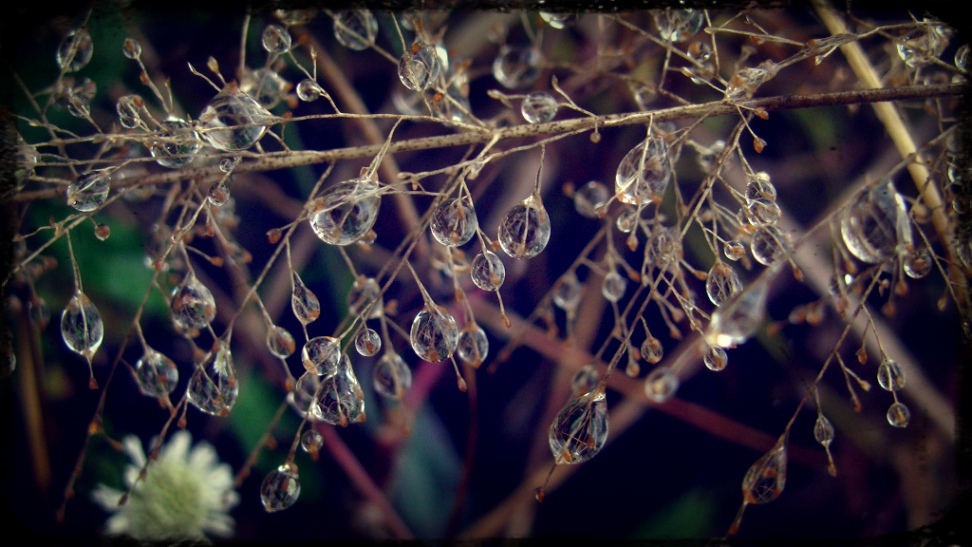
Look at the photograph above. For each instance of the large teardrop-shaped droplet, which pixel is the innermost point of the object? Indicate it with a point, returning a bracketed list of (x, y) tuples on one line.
[(81, 326), (345, 212), (340, 399), (280, 488), (644, 172), (722, 283), (454, 221), (192, 304), (517, 66), (890, 375), (391, 376), (823, 430), (419, 68), (766, 478), (580, 429), (525, 229), (75, 50), (434, 334), (355, 29), (735, 321), (233, 120), (156, 374), (304, 302), (876, 224), (213, 387)]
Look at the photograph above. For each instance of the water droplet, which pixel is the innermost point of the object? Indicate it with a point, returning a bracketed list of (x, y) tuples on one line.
[(90, 190), (770, 245), (652, 350), (736, 320), (517, 66), (309, 91), (525, 229), (660, 385), (557, 20), (227, 165), (322, 355), (280, 488), (454, 221), (763, 212), (734, 250), (233, 120), (156, 374), (355, 29), (266, 87), (213, 387), (276, 39), (364, 291), (890, 375), (567, 292), (391, 376), (766, 478), (311, 441), (580, 429), (368, 342), (419, 68), (747, 80), (875, 224), (702, 72), (760, 187), (218, 194), (473, 346), (303, 398), (584, 380), (304, 302), (294, 17), (644, 172), (538, 107), (280, 342), (487, 271), (75, 50), (823, 430), (341, 400), (643, 93), (591, 198), (922, 45), (962, 58), (715, 359), (898, 415), (678, 25), (627, 221), (39, 312), (132, 48), (722, 283), (81, 326), (175, 144), (345, 212), (917, 264), (434, 335), (663, 248), (613, 286), (192, 304), (128, 111)]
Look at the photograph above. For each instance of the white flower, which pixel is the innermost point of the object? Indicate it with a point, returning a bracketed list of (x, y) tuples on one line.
[(184, 495)]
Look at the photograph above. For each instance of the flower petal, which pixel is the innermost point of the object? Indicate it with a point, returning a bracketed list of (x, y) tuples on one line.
[(133, 447), (106, 497)]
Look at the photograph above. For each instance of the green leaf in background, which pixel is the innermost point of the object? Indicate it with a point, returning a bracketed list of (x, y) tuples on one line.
[(689, 516), (427, 478)]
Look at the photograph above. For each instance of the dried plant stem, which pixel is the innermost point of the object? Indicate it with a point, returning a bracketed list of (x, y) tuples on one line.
[(295, 158)]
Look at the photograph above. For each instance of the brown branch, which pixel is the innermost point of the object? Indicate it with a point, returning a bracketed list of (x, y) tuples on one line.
[(288, 159)]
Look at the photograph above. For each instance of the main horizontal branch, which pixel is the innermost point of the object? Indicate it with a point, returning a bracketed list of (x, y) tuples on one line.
[(288, 159)]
